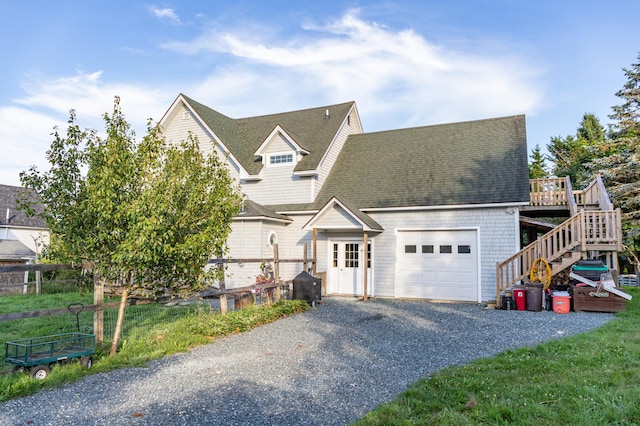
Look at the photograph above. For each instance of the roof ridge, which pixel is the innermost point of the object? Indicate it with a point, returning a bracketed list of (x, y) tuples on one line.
[(451, 123)]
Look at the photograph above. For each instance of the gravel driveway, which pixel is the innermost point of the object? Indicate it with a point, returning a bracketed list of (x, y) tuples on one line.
[(327, 366)]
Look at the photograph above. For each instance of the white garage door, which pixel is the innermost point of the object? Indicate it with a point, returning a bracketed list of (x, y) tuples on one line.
[(437, 265)]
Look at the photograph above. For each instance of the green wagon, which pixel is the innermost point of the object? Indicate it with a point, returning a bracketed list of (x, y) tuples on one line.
[(39, 353)]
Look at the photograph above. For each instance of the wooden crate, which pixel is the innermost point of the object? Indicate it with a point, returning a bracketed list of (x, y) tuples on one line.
[(585, 299)]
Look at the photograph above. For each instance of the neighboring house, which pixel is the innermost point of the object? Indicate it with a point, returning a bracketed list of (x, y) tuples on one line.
[(21, 237), (436, 206)]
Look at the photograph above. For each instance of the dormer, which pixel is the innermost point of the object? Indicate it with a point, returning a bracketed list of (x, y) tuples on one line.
[(280, 149)]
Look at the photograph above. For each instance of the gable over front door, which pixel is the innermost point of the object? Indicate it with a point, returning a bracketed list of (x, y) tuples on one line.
[(346, 267)]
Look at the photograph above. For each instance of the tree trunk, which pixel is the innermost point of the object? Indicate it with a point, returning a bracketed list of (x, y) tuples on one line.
[(117, 331)]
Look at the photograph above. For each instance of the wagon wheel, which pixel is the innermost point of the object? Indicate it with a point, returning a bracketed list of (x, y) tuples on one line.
[(40, 372), (86, 361), (541, 272)]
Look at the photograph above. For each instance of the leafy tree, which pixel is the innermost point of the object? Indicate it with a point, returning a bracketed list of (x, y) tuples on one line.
[(147, 215), (572, 153), (538, 166)]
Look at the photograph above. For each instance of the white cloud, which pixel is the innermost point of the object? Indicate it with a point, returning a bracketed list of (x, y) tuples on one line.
[(398, 78), (166, 13), (26, 136), (26, 126)]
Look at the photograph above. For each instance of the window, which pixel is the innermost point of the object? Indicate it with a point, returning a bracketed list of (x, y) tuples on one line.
[(277, 159), (272, 238), (335, 255), (428, 249), (464, 249), (445, 249), (410, 249), (368, 255), (351, 255)]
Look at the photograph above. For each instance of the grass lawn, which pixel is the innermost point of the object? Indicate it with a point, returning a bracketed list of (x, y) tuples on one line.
[(587, 379), (200, 326)]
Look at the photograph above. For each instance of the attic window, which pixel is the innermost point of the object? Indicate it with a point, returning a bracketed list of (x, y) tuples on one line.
[(279, 159)]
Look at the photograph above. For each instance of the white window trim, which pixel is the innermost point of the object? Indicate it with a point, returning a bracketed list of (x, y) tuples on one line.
[(278, 154)]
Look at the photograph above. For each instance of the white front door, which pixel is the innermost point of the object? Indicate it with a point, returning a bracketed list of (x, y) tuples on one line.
[(347, 266)]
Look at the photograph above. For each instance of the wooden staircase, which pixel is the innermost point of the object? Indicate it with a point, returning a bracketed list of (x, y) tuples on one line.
[(593, 229)]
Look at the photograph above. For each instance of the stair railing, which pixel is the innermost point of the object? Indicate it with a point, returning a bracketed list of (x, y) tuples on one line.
[(550, 246)]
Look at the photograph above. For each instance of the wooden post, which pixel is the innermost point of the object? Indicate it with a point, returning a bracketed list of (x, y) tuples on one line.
[(98, 315), (315, 252), (25, 287), (276, 271), (38, 282), (305, 259), (223, 297), (366, 264)]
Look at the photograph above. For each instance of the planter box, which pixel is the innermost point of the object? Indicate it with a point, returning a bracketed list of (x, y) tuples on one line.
[(586, 299)]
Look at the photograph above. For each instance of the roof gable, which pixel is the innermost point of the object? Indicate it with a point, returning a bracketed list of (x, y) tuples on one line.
[(336, 214), (474, 162), (275, 132), (313, 130)]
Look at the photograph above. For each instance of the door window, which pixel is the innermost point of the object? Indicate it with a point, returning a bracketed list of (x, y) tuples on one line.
[(351, 255)]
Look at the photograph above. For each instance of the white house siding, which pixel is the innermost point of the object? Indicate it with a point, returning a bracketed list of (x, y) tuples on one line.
[(244, 242), (291, 240), (498, 238), (249, 240), (334, 150), (337, 218), (177, 126), (30, 237), (279, 185)]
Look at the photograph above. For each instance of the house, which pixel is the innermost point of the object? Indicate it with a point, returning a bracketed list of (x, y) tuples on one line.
[(424, 212), (21, 236)]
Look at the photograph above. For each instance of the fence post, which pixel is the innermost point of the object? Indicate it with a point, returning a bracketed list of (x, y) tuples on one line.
[(276, 271), (305, 258), (223, 296), (314, 252), (98, 315)]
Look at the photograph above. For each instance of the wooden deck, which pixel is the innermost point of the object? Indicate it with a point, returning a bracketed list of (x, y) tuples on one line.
[(593, 226)]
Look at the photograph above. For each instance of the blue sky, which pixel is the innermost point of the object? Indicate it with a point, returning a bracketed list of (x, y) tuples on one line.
[(405, 63)]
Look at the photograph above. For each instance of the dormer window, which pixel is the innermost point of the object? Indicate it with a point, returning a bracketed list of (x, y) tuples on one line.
[(280, 159)]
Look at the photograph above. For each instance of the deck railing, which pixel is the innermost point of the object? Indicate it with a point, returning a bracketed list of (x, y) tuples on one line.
[(550, 192), (586, 230), (594, 194)]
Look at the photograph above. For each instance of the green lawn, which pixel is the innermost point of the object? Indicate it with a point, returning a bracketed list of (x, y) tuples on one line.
[(157, 330), (587, 379)]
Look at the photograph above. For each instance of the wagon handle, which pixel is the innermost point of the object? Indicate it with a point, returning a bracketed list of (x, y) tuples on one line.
[(73, 307)]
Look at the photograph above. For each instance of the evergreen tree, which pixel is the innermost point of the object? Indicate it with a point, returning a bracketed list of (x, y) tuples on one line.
[(572, 153), (538, 166), (620, 170)]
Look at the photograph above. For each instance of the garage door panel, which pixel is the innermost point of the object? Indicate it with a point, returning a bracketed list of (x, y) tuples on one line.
[(437, 265)]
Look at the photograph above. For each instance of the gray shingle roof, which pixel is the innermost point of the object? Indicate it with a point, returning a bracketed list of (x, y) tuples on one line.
[(474, 162), (8, 196), (310, 129), (253, 210)]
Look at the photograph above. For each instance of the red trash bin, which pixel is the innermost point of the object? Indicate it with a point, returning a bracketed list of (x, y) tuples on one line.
[(520, 295)]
